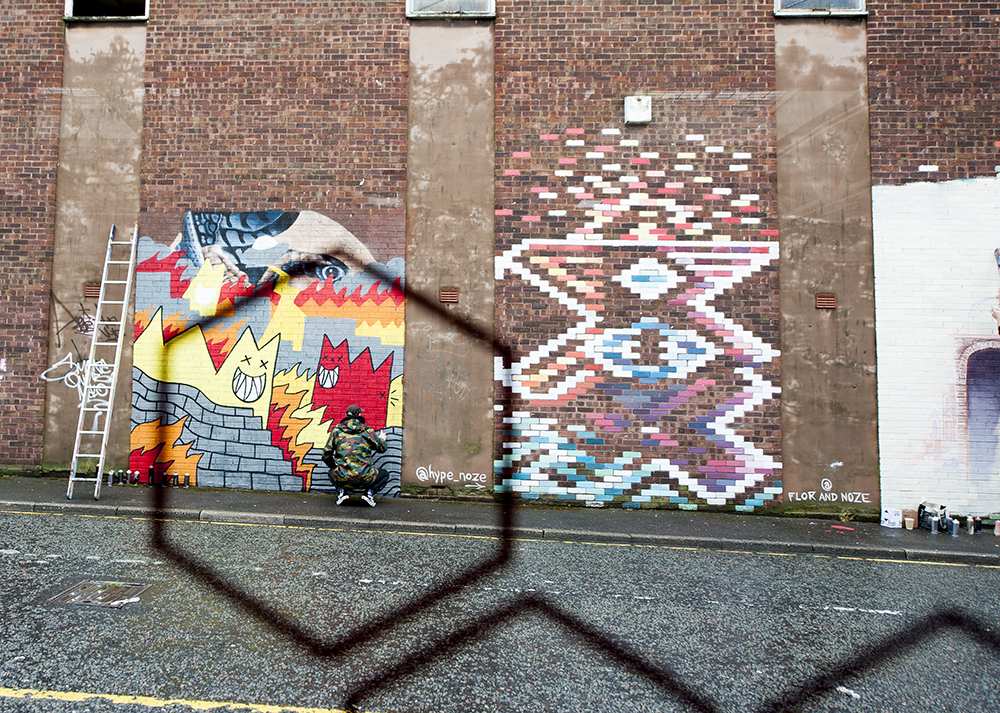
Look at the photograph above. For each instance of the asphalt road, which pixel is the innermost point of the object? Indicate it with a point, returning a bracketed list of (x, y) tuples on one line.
[(321, 619)]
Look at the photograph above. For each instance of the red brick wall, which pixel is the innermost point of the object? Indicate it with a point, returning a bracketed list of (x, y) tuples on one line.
[(562, 72), (30, 79), (294, 106), (933, 69)]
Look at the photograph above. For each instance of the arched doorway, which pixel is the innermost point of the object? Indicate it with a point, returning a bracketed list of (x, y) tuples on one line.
[(982, 380)]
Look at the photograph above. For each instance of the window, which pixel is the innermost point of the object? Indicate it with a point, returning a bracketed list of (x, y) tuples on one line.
[(107, 9), (819, 7), (451, 8)]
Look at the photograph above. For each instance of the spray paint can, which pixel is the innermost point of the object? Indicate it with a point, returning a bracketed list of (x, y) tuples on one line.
[(996, 528), (956, 527), (935, 525), (970, 524)]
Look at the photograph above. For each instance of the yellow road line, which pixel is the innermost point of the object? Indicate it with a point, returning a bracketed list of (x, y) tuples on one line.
[(149, 702)]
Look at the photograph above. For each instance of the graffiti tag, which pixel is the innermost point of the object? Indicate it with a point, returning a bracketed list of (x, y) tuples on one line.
[(83, 323), (441, 377), (72, 373), (447, 476), (452, 342), (849, 497)]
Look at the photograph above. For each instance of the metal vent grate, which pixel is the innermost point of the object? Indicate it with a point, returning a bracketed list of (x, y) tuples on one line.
[(101, 594), (826, 301), (448, 294), (92, 289)]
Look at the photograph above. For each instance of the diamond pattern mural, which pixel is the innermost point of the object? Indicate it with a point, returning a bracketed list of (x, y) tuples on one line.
[(640, 298)]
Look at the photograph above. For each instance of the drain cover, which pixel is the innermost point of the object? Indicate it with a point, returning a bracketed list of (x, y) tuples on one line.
[(101, 594)]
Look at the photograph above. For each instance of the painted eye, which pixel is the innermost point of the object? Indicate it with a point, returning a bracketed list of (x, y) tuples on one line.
[(320, 267)]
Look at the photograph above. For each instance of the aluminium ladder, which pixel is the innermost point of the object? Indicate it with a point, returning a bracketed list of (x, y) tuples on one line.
[(100, 373)]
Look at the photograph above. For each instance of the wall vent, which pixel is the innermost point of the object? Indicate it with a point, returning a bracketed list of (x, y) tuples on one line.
[(826, 301), (448, 294)]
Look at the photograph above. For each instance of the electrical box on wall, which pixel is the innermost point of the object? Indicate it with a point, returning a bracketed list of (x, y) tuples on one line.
[(638, 110)]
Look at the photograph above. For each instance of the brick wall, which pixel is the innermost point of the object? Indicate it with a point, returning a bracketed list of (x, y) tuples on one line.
[(291, 106), (30, 80), (933, 70), (637, 265)]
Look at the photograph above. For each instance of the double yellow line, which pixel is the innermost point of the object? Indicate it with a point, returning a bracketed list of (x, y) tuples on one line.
[(149, 702)]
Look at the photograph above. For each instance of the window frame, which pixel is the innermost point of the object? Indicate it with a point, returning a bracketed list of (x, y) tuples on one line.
[(414, 12), (861, 10), (69, 16)]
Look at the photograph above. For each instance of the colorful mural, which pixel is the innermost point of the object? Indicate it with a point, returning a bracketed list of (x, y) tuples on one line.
[(254, 332), (649, 281)]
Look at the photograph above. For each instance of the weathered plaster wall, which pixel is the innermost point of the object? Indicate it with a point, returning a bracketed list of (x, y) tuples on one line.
[(448, 414), (829, 417), (100, 143)]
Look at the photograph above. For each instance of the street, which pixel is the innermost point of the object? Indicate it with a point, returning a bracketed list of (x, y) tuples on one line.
[(327, 619)]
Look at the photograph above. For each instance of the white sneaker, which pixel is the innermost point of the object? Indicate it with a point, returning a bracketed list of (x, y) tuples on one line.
[(341, 496), (369, 497)]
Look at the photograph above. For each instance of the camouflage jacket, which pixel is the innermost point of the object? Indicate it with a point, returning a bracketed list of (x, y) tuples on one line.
[(349, 451)]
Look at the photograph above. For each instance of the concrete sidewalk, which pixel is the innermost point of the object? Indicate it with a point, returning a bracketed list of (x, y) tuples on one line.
[(672, 528)]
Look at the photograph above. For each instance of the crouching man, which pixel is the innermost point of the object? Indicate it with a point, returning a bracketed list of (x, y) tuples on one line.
[(349, 452)]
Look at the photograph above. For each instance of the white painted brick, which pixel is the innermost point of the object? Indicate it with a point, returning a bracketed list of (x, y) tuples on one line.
[(936, 279)]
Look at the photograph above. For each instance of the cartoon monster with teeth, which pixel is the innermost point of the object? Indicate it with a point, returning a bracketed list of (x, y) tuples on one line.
[(242, 381), (249, 387), (341, 382)]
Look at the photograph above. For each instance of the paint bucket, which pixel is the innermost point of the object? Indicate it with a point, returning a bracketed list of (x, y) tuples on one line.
[(908, 522)]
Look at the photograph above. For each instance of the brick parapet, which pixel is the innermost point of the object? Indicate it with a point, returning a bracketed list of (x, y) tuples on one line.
[(291, 107), (932, 71)]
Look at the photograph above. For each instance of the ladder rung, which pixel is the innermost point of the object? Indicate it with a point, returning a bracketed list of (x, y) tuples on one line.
[(119, 242), (88, 455), (106, 344), (84, 480), (110, 321), (119, 262), (113, 302), (115, 282), (91, 433)]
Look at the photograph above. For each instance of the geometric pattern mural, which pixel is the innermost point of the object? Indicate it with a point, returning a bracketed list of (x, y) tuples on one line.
[(650, 371)]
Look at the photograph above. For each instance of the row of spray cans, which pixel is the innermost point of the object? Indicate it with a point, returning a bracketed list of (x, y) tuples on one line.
[(131, 477), (937, 520)]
